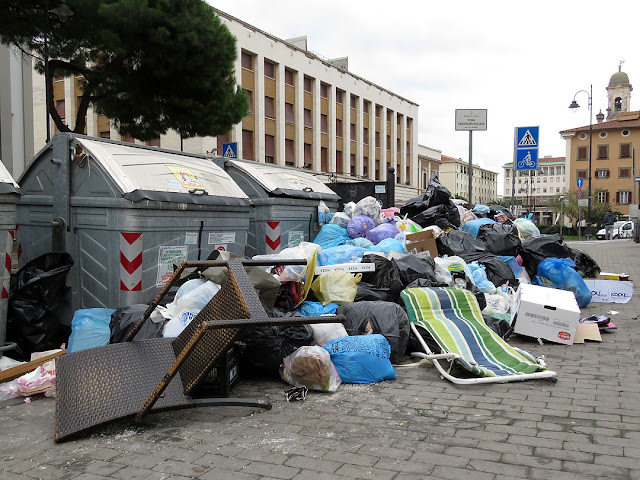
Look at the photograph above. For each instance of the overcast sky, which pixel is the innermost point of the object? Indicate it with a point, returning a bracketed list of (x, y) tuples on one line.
[(522, 61)]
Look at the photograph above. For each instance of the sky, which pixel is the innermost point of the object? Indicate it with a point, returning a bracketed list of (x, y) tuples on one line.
[(522, 61)]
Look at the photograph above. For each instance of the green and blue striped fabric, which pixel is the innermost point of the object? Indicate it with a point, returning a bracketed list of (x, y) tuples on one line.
[(452, 316)]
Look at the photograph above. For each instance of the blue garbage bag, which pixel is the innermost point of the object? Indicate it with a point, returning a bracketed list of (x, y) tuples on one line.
[(362, 358), (382, 231), (479, 273), (513, 263), (331, 235), (473, 226), (315, 309), (481, 208), (340, 254), (360, 242), (389, 245), (90, 328), (561, 273), (359, 225)]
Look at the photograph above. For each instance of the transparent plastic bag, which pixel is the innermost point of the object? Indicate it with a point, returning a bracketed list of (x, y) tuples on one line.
[(479, 275), (370, 207), (324, 333), (312, 367), (341, 219), (336, 287), (293, 273), (349, 208), (323, 211), (526, 228)]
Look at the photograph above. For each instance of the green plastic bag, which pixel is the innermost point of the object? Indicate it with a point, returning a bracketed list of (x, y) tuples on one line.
[(336, 287)]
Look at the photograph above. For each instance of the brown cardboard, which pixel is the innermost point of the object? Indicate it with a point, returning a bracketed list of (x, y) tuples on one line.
[(422, 242), (587, 331)]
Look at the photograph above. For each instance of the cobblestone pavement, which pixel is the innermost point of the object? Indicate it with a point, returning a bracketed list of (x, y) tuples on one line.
[(585, 426)]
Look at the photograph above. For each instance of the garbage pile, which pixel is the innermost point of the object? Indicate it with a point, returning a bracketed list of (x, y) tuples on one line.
[(357, 266)]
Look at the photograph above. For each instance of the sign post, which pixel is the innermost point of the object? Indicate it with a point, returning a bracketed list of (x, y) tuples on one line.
[(471, 120), (525, 152)]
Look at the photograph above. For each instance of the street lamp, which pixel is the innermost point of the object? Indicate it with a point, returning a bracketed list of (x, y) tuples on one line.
[(63, 12), (574, 107), (561, 213)]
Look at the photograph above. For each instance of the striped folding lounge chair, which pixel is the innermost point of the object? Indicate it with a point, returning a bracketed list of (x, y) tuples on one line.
[(452, 317)]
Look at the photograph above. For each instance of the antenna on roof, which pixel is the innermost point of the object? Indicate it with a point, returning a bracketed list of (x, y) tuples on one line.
[(620, 66)]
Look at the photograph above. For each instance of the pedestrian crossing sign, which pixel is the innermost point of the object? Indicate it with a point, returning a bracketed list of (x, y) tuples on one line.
[(527, 137), (230, 150)]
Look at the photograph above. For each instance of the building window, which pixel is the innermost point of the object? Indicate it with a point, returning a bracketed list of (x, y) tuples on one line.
[(289, 116), (582, 153), (603, 152), (625, 150), (603, 197), (617, 105), (365, 166), (339, 168), (365, 107), (324, 123), (624, 172), (269, 69), (107, 134), (324, 90), (308, 158), (582, 136), (378, 111), (557, 189), (626, 133), (60, 108), (623, 197), (247, 144), (352, 164), (308, 120), (352, 131), (388, 143), (247, 61), (581, 174), (365, 135), (269, 107), (339, 96), (288, 77), (269, 149), (602, 173), (338, 127), (353, 101), (307, 84), (249, 95), (324, 159), (377, 139), (603, 134), (289, 153)]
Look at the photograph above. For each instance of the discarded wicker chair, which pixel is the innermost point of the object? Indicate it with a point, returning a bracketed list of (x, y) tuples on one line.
[(99, 385)]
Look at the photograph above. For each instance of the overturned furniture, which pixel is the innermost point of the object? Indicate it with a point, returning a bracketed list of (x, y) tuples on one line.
[(100, 385), (453, 318)]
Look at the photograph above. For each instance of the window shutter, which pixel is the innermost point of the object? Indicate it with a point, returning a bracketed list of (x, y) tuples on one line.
[(606, 197), (617, 197)]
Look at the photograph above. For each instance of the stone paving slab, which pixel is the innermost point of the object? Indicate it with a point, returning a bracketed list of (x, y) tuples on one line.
[(585, 426)]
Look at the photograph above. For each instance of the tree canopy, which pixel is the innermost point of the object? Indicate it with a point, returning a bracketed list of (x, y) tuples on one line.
[(570, 208), (148, 65)]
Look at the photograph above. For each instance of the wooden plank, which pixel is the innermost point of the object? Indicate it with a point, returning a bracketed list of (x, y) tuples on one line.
[(19, 370)]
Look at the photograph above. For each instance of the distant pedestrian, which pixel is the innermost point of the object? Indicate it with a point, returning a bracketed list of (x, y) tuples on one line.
[(609, 220)]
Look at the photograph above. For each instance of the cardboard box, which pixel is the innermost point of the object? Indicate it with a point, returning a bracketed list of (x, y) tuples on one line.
[(422, 242), (609, 291), (621, 277), (546, 313)]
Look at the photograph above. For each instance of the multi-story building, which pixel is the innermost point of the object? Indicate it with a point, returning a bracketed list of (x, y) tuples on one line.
[(613, 146), (454, 175), (305, 111), (534, 189), (429, 161)]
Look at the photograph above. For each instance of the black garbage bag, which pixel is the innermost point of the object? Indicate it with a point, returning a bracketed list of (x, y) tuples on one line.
[(585, 265), (267, 346), (456, 242), (123, 320), (386, 276), (367, 291), (386, 318), (412, 267), (501, 238), (536, 249), (498, 325), (435, 215), (37, 298), (498, 209), (436, 194), (498, 271)]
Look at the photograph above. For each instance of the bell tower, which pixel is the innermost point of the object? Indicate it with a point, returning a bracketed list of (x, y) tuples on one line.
[(619, 93)]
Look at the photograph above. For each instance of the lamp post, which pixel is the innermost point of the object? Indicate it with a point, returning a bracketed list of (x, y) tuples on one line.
[(63, 12), (561, 213), (574, 106)]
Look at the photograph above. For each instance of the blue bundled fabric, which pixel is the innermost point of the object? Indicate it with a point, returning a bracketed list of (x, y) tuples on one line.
[(480, 279), (561, 273), (90, 328), (331, 235), (315, 309), (339, 254), (389, 245), (362, 358), (513, 263), (473, 226)]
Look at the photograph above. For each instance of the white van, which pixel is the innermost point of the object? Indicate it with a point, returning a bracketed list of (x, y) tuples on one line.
[(621, 229)]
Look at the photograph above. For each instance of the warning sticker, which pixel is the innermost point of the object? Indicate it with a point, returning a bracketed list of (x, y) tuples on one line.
[(168, 256), (191, 238), (295, 238), (297, 184), (222, 248), (186, 177), (221, 238)]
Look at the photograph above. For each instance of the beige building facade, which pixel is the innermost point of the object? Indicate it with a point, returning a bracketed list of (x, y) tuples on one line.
[(454, 175), (614, 145), (429, 161)]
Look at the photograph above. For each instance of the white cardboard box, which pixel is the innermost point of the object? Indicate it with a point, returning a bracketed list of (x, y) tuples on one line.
[(546, 313), (609, 291)]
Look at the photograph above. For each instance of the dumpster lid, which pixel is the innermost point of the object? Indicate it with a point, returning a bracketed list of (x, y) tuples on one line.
[(284, 181), (153, 174), (7, 183)]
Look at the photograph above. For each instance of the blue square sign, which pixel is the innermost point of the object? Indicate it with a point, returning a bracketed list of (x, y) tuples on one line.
[(527, 159), (527, 137), (230, 150)]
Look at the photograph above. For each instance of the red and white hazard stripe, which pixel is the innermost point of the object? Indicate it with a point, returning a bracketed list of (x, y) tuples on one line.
[(130, 261), (6, 272), (272, 237)]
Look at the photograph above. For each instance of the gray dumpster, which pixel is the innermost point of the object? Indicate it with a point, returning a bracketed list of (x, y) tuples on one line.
[(126, 213), (286, 204), (9, 194)]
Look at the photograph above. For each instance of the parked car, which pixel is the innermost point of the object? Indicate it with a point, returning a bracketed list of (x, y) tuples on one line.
[(621, 229)]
